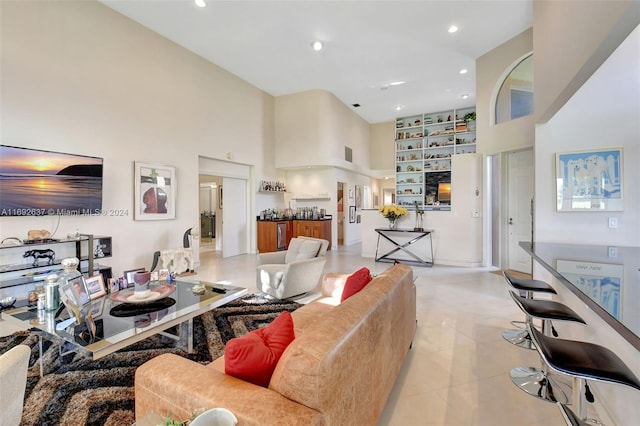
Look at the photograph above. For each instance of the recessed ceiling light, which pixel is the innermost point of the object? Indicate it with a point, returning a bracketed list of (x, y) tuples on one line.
[(317, 45), (465, 95), (398, 107), (396, 83), (200, 3), (452, 29), (463, 71)]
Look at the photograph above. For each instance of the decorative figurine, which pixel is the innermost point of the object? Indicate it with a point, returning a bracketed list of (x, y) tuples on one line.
[(40, 254)]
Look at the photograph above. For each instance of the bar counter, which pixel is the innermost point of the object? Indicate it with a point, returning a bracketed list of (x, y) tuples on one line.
[(605, 278)]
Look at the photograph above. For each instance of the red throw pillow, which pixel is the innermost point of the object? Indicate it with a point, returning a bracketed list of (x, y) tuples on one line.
[(254, 356), (355, 282)]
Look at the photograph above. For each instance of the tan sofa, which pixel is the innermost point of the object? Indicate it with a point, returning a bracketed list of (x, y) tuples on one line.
[(339, 370)]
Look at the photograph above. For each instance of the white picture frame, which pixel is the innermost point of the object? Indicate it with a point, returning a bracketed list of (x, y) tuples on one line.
[(589, 181), (155, 191)]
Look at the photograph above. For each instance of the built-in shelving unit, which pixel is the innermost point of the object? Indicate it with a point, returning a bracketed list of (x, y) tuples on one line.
[(425, 144)]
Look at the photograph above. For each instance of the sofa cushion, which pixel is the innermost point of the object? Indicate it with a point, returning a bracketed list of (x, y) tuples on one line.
[(355, 282), (254, 356), (301, 249)]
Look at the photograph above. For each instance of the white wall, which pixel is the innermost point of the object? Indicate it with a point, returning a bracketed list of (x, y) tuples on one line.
[(603, 113), (312, 129), (78, 77)]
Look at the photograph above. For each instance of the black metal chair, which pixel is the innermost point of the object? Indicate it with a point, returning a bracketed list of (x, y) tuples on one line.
[(527, 287), (583, 361), (539, 382)]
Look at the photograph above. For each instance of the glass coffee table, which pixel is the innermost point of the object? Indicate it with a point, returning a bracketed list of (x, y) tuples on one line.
[(119, 320)]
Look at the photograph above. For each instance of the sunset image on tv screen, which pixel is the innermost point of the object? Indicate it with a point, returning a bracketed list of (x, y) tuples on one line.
[(35, 182)]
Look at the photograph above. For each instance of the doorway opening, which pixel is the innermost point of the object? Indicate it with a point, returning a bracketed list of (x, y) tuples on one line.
[(209, 213)]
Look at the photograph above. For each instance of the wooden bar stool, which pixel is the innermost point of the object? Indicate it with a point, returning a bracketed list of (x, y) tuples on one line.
[(583, 361), (538, 382), (520, 337)]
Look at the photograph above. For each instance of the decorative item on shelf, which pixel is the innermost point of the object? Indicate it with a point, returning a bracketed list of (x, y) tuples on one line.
[(392, 213), (272, 186), (419, 214), (470, 119)]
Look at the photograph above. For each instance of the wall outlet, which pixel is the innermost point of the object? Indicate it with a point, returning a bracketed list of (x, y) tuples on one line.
[(613, 251), (613, 222)]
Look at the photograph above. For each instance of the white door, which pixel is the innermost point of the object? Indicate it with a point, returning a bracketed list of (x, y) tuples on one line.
[(521, 187), (234, 217)]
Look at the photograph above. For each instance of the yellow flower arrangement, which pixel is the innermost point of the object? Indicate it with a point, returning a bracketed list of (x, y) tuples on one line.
[(392, 212)]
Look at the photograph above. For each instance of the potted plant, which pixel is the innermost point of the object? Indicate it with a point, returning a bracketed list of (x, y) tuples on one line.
[(470, 119)]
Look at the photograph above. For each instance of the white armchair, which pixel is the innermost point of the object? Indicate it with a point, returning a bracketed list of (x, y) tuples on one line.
[(298, 270), (13, 375)]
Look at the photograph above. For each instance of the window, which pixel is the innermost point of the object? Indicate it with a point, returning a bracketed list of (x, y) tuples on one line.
[(515, 98)]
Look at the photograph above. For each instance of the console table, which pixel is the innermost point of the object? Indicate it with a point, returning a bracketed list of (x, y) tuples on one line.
[(393, 236)]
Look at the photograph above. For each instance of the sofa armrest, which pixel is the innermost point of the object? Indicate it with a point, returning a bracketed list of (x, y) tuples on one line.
[(170, 385), (271, 257), (333, 284)]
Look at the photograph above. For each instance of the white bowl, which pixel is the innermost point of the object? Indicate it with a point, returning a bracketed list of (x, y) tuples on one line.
[(215, 417)]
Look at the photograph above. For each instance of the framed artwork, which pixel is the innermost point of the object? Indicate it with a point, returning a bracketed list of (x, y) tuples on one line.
[(358, 219), (95, 286), (352, 214), (602, 282), (358, 194), (220, 198), (155, 191), (589, 181)]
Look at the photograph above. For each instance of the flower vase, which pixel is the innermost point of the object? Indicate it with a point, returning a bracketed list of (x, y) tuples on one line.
[(393, 223)]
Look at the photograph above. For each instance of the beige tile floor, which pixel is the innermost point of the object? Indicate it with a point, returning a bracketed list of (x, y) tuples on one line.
[(457, 372)]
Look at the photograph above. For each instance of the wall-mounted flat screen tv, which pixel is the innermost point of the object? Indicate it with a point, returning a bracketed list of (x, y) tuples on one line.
[(34, 182)]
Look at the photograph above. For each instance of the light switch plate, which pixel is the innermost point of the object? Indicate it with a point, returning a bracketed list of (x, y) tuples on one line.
[(613, 222)]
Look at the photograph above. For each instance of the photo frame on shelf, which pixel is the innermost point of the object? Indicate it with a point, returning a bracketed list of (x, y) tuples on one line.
[(589, 181), (95, 286), (602, 282), (75, 296), (352, 214), (128, 275), (155, 191)]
